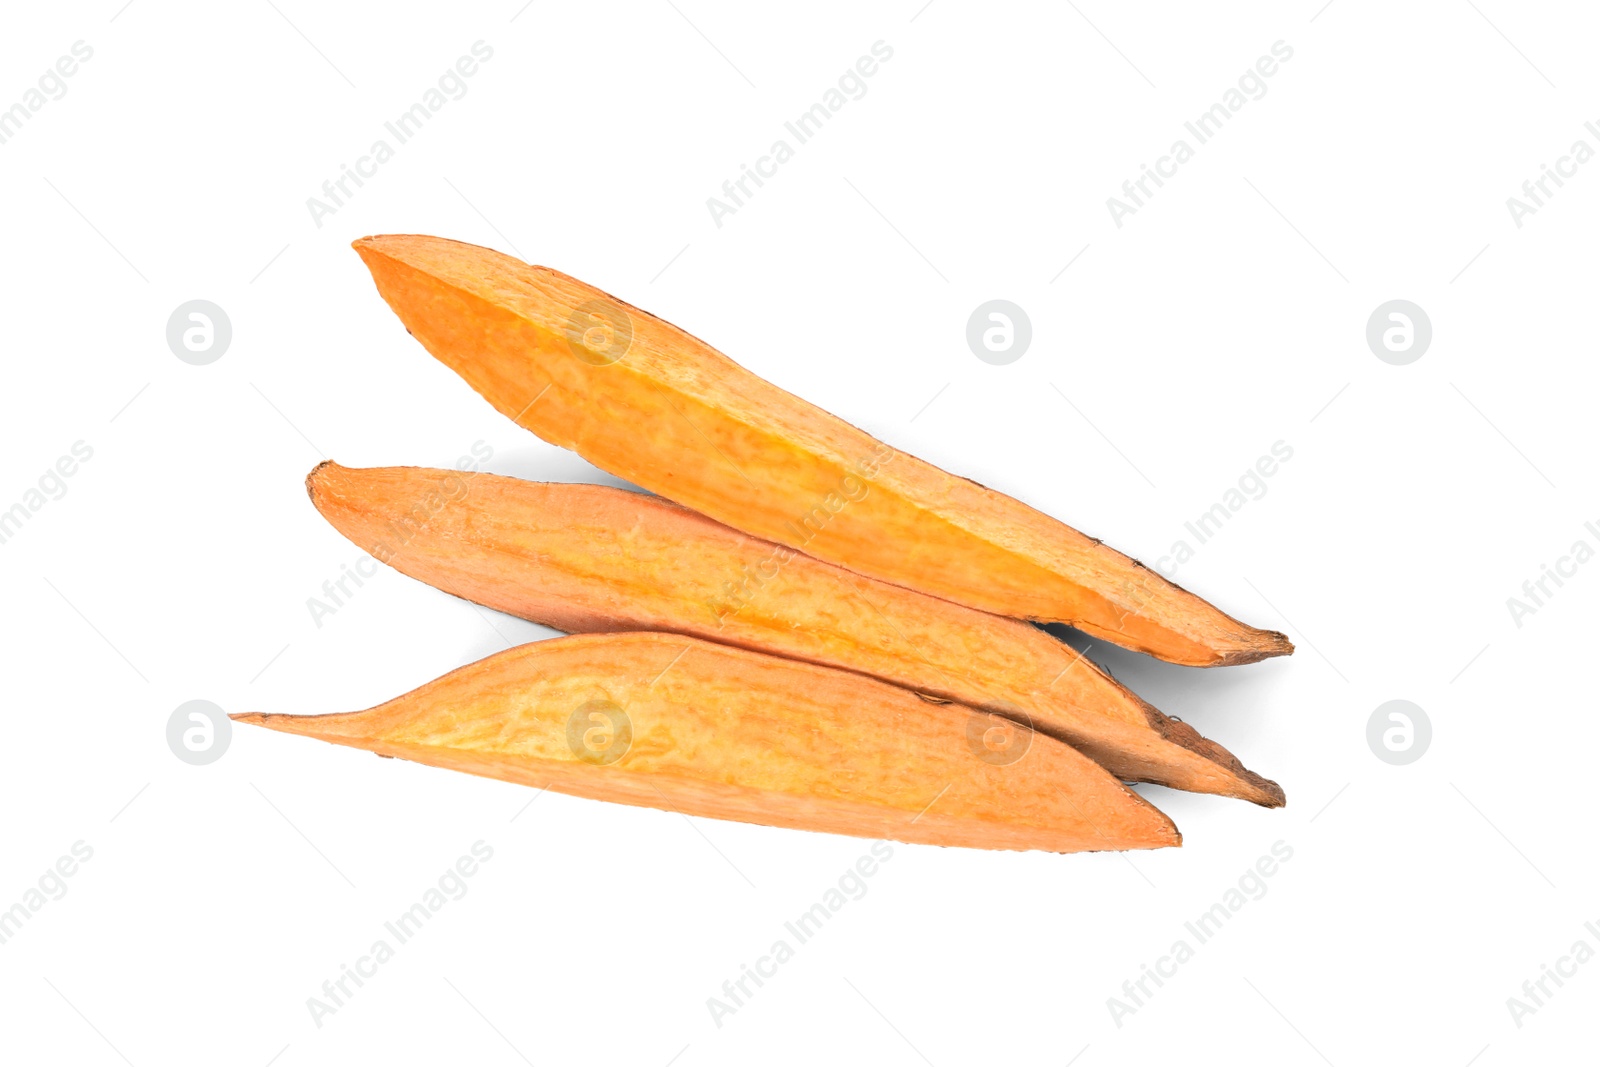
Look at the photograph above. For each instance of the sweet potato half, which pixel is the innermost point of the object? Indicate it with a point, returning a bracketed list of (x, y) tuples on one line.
[(666, 721), (588, 558), (640, 398)]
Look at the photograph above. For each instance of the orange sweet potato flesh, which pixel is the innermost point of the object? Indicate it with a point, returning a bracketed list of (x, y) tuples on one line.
[(642, 399), (589, 558), (732, 734)]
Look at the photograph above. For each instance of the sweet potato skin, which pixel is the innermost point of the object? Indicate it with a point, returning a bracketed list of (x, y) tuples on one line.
[(727, 733), (586, 559), (646, 401)]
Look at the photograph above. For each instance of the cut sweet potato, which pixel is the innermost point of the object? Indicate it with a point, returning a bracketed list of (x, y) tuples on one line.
[(640, 398), (588, 558), (665, 721)]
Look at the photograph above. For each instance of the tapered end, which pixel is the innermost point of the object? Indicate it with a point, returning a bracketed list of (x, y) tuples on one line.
[(311, 478), (372, 249), (419, 249), (337, 727), (1272, 793), (1242, 781), (1259, 790), (289, 724), (377, 241), (1264, 644)]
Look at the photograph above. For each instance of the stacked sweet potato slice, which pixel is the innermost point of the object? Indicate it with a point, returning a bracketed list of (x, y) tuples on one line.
[(832, 639)]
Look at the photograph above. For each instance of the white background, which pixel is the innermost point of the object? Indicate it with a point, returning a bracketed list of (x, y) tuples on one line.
[(1226, 315)]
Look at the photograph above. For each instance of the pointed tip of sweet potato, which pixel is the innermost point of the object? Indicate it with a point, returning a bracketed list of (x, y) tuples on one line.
[(291, 724), (1271, 791), (1242, 782), (1264, 644), (329, 480), (377, 242), (1261, 790), (392, 257), (375, 246), (325, 727), (315, 476), (1166, 833), (414, 247), (368, 246)]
